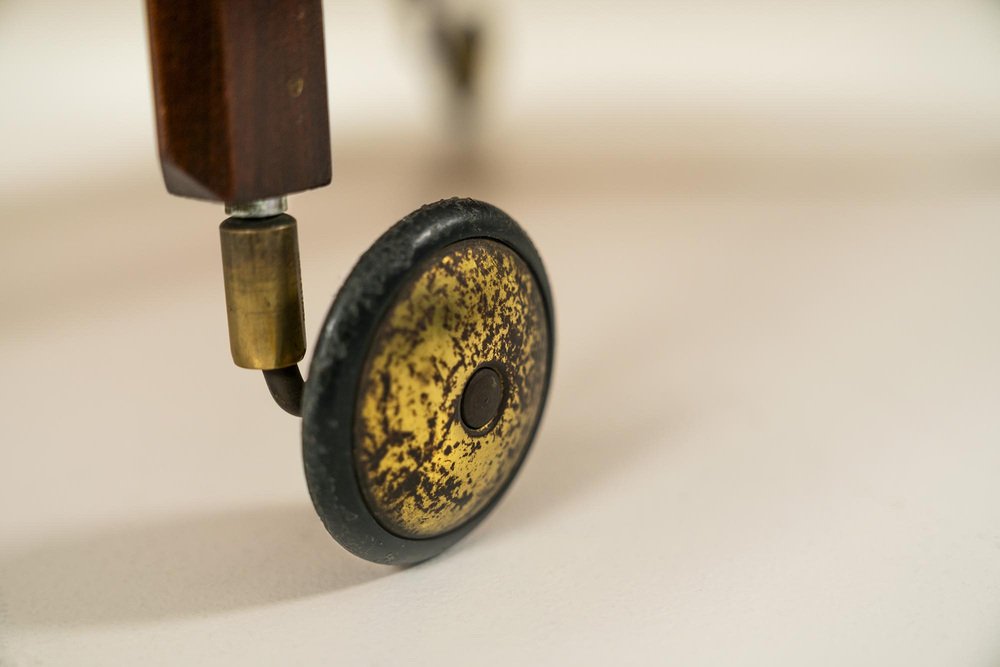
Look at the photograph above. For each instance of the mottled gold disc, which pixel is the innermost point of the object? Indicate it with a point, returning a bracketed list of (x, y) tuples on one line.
[(472, 305)]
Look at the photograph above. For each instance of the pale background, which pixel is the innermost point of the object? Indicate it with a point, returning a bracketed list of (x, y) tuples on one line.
[(773, 233)]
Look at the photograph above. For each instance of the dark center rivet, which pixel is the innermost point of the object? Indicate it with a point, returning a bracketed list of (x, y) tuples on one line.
[(482, 399)]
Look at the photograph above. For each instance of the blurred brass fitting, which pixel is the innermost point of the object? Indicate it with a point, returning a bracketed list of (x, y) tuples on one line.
[(260, 264)]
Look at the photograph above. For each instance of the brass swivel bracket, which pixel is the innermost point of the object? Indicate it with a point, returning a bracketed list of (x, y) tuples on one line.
[(260, 268)]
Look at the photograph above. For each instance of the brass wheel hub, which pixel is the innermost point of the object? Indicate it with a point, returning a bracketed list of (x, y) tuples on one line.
[(451, 389)]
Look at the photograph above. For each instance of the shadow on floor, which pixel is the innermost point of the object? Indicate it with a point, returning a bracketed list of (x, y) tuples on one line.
[(179, 567)]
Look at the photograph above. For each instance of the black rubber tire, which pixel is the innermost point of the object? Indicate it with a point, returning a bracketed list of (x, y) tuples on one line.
[(330, 392)]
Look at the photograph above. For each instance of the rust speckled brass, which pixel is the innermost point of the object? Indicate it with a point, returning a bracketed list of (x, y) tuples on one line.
[(260, 263), (472, 305)]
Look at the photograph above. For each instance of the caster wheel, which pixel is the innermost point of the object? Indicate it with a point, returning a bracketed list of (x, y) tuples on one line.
[(428, 382)]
